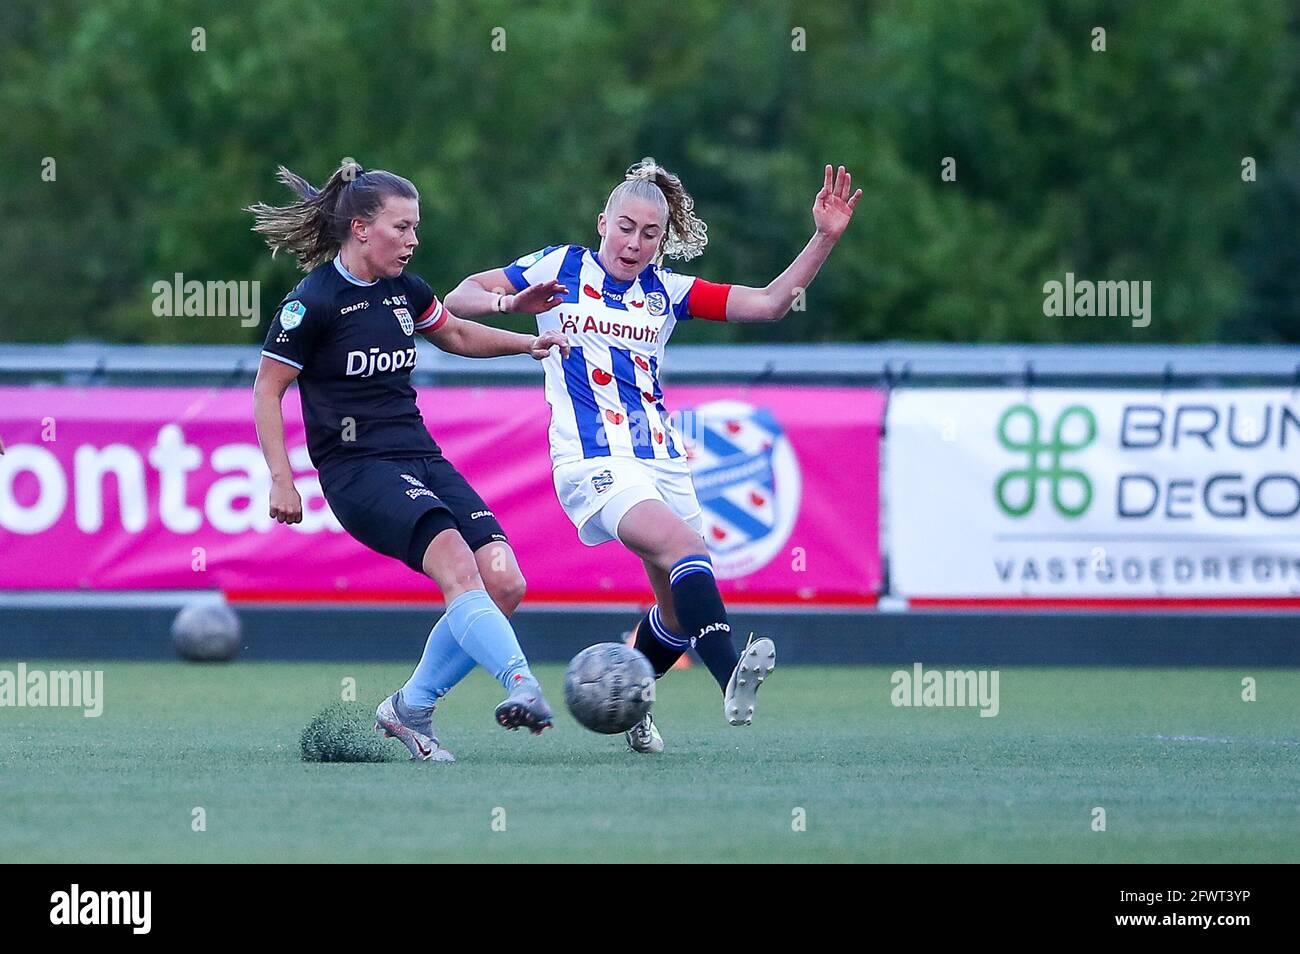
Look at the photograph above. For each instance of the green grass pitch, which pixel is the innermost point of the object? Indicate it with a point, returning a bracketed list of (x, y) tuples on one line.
[(1185, 769)]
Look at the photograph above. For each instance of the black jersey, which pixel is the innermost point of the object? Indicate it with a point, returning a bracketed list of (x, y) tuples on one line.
[(354, 344)]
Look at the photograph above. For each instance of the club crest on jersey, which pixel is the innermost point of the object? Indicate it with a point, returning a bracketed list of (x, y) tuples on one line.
[(405, 320), (292, 314), (602, 481), (748, 482), (657, 304)]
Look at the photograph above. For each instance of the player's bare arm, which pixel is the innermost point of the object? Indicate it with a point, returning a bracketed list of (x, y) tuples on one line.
[(473, 340), (832, 210), (273, 379), (492, 292)]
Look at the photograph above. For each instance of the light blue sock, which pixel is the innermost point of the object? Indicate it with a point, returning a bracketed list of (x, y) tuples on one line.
[(484, 632), (443, 665)]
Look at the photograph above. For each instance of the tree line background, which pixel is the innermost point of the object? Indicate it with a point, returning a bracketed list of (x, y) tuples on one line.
[(1117, 165)]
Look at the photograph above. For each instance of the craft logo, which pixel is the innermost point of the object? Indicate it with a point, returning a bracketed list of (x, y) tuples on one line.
[(748, 482), (1019, 430)]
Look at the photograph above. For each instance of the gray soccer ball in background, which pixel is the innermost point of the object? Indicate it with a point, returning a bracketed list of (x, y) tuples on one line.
[(207, 630), (609, 687)]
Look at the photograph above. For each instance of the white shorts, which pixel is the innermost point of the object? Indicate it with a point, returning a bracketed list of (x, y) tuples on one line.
[(597, 493)]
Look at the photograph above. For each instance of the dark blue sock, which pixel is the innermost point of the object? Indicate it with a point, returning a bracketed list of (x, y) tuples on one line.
[(702, 616), (659, 644)]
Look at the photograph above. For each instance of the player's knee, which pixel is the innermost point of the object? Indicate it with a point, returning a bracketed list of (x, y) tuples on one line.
[(683, 542), (507, 591), (453, 569), (455, 579), (672, 541)]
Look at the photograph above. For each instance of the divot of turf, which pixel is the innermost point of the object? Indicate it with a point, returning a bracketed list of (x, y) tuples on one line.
[(345, 732)]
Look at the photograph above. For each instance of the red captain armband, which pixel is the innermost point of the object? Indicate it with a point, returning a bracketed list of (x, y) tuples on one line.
[(432, 319), (708, 300)]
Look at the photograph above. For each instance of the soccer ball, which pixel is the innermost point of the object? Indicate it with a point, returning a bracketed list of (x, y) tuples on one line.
[(207, 630), (609, 687)]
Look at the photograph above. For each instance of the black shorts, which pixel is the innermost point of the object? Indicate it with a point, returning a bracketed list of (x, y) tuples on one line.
[(396, 506)]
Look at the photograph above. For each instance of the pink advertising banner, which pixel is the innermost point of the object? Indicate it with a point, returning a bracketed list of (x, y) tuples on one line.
[(165, 488)]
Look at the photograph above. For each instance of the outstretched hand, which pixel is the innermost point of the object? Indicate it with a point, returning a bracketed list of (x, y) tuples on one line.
[(834, 204), (547, 340), (536, 299)]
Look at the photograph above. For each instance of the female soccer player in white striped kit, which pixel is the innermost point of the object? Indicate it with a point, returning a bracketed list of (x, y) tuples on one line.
[(619, 466)]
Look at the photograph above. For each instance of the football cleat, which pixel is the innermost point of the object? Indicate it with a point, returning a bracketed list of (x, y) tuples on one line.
[(525, 707), (756, 664), (413, 728), (644, 737)]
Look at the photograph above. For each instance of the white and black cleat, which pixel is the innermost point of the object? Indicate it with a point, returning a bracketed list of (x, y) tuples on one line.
[(413, 728), (644, 737), (756, 663)]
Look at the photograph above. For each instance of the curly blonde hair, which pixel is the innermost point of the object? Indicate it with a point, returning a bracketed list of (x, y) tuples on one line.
[(685, 235)]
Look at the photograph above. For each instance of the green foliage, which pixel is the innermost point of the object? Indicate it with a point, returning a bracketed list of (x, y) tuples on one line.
[(344, 732), (1123, 164)]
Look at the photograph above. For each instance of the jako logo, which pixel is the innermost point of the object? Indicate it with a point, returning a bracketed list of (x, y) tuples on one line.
[(1050, 469), (103, 907), (711, 628)]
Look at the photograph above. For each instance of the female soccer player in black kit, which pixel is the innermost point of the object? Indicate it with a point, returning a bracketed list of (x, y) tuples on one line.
[(346, 334)]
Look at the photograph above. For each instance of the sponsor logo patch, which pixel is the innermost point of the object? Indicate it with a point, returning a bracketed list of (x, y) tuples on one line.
[(292, 314)]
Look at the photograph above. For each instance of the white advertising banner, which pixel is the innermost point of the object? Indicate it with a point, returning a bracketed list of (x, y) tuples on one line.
[(1005, 493)]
